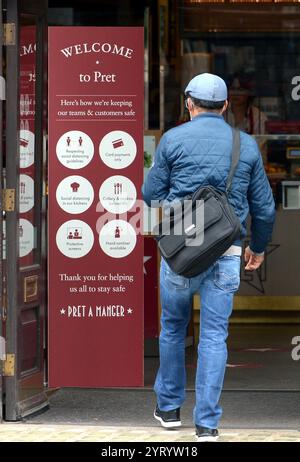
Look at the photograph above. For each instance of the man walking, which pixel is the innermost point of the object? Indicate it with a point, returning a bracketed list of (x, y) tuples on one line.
[(198, 153)]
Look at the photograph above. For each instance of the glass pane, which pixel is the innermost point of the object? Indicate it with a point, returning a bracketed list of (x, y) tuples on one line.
[(27, 217), (254, 48)]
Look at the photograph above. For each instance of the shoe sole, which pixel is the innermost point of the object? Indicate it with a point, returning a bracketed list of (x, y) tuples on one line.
[(167, 424), (207, 439)]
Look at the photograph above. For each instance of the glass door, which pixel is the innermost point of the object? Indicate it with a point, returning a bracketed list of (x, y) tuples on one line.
[(254, 47), (25, 223)]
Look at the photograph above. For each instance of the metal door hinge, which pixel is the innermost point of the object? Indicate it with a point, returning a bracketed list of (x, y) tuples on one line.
[(8, 369), (9, 33), (9, 200)]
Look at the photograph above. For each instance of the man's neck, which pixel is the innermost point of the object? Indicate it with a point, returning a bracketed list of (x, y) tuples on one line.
[(204, 111)]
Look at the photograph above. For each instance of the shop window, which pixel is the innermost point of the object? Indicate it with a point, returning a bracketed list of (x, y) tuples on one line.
[(255, 47)]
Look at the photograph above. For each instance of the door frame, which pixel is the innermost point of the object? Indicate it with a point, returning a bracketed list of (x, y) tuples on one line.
[(2, 314), (12, 148)]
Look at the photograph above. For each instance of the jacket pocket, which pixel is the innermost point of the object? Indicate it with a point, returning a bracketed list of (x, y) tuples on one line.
[(227, 273)]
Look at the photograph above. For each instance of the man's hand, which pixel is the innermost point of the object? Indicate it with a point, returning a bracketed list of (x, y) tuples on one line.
[(253, 261)]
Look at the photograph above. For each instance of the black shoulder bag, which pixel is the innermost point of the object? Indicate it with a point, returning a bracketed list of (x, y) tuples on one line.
[(201, 227)]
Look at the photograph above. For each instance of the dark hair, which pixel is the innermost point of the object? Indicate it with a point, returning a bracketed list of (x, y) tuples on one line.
[(203, 103)]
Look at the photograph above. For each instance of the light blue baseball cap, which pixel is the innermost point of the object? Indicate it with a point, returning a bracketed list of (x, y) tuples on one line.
[(208, 87)]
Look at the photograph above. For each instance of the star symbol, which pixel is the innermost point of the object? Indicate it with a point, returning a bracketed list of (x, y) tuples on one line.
[(145, 260), (130, 311), (62, 311)]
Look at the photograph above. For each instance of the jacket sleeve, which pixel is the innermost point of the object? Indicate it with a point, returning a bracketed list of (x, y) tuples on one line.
[(261, 206), (157, 184)]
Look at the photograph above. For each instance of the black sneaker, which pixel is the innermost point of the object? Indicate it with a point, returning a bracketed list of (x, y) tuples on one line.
[(168, 419), (206, 434)]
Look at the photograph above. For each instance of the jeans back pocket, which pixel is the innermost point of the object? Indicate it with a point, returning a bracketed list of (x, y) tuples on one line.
[(227, 273)]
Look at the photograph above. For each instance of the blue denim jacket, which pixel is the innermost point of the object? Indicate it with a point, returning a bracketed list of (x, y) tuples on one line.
[(199, 153)]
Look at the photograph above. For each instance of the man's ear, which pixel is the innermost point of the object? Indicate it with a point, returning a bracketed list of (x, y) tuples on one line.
[(224, 108), (190, 104)]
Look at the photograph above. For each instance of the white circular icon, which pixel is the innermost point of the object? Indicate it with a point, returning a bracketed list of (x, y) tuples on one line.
[(117, 238), (75, 149), (117, 149), (74, 238), (26, 184), (74, 194), (26, 237), (26, 148), (117, 194)]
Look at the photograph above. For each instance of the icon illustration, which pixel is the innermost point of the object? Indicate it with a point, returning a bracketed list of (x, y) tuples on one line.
[(75, 186), (117, 232), (22, 187), (79, 145), (117, 143), (74, 233), (118, 188), (24, 143)]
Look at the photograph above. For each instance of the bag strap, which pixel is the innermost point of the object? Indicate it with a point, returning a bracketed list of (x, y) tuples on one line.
[(235, 156)]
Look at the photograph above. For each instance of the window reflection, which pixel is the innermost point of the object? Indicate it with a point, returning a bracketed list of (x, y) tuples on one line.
[(27, 225)]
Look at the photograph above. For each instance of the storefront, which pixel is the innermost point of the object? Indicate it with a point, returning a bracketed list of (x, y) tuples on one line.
[(255, 47)]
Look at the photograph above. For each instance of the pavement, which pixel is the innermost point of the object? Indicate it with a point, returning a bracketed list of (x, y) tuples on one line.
[(119, 415), (20, 432)]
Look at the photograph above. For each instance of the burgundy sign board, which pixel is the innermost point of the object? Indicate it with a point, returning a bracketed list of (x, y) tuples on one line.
[(96, 86)]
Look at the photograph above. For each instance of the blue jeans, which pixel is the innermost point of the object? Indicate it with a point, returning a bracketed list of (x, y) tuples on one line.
[(216, 287)]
